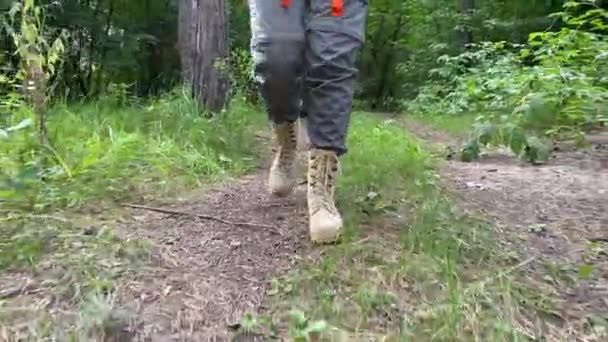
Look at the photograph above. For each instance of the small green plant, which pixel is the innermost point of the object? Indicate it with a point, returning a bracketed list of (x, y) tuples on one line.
[(240, 67), (530, 148), (255, 325), (302, 329), (100, 317), (370, 298), (38, 58)]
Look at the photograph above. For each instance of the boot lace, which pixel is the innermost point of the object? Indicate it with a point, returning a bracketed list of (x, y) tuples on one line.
[(286, 139), (324, 168), (285, 144)]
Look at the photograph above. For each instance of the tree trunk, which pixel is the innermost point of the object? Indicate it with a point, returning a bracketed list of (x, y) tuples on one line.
[(465, 35), (203, 46), (387, 64), (184, 36), (35, 94)]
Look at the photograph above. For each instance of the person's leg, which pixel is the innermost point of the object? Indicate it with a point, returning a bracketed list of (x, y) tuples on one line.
[(335, 30), (277, 47)]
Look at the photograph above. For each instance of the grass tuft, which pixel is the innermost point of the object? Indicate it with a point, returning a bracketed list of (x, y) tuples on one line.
[(104, 150), (59, 278)]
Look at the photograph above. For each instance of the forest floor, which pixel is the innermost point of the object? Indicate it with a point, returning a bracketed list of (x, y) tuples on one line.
[(432, 249), (555, 215)]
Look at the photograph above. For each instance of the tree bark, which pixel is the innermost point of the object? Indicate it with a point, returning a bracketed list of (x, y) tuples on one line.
[(35, 93), (465, 34), (184, 22), (387, 65), (203, 46)]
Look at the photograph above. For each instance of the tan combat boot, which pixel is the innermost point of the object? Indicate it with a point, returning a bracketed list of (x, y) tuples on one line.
[(282, 172), (325, 220)]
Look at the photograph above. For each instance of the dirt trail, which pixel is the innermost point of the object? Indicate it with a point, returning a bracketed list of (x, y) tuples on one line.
[(550, 213), (208, 274)]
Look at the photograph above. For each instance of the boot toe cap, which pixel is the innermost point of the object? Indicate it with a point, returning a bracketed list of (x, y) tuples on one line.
[(325, 228), (280, 185)]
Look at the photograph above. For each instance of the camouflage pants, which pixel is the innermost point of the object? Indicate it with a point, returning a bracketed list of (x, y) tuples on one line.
[(304, 53)]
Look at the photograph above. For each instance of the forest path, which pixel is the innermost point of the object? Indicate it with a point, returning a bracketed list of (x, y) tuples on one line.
[(208, 274), (555, 215)]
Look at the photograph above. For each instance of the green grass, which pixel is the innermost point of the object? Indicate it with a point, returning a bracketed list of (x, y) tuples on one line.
[(409, 267), (119, 152), (61, 257), (61, 277)]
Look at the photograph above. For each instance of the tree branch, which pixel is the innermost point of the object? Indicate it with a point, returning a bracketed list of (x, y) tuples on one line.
[(203, 217)]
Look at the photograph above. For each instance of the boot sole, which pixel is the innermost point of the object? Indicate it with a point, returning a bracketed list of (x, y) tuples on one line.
[(325, 237), (281, 193)]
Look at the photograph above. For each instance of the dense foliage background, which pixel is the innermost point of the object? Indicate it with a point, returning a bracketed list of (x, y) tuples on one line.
[(133, 43), (532, 70)]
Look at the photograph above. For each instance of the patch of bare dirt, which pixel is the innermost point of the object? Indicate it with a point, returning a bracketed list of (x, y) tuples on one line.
[(556, 213), (209, 273)]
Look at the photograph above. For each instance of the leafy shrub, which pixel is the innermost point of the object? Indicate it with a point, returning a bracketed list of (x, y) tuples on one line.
[(241, 66), (552, 87)]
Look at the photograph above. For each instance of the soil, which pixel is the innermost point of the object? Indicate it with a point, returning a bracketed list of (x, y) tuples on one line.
[(209, 274), (556, 214)]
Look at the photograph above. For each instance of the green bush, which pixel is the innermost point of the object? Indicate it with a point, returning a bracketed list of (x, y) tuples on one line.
[(552, 87)]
